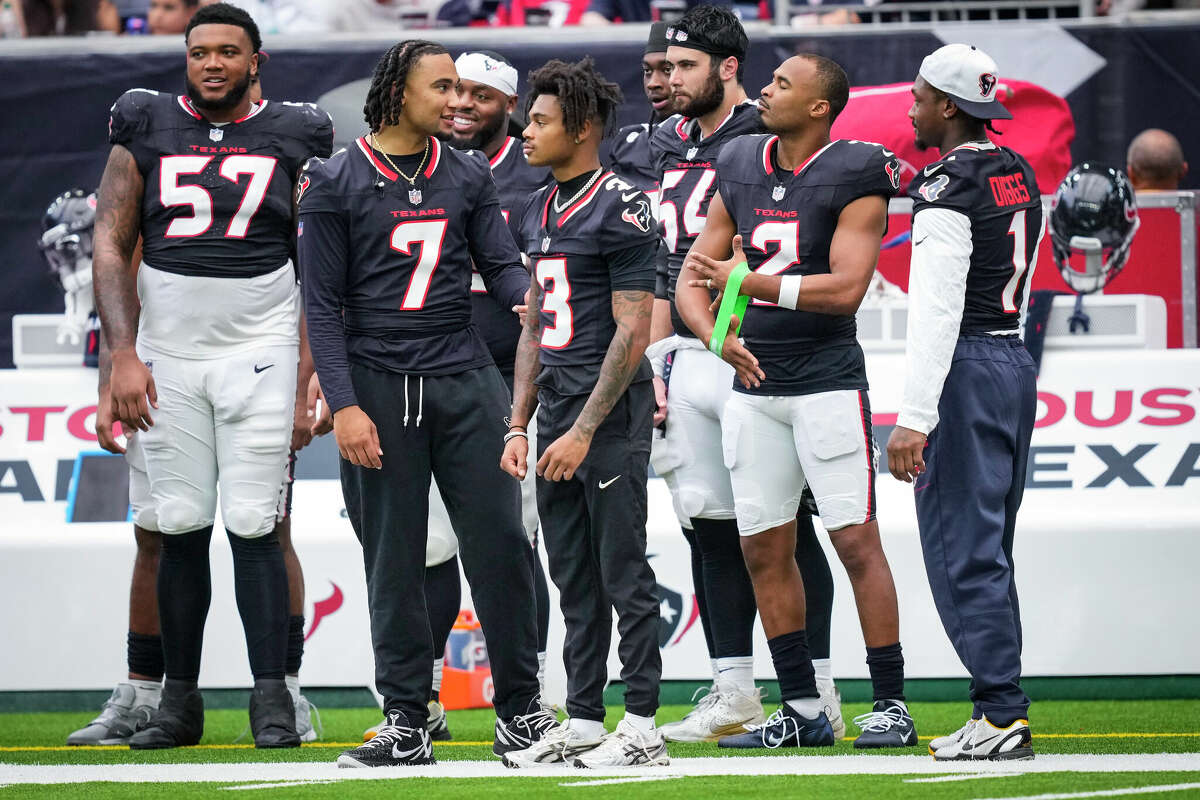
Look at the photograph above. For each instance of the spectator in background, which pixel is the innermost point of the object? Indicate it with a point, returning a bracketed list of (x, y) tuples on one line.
[(1155, 162), (70, 17), (603, 12), (170, 16)]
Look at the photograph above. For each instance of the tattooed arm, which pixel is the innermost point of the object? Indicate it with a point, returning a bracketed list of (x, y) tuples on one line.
[(632, 311), (118, 223), (516, 449)]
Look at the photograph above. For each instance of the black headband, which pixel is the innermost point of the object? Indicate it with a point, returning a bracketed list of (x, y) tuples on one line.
[(681, 38), (657, 43)]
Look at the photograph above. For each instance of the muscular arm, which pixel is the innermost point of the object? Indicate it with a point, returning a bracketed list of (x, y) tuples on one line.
[(118, 224), (714, 241), (631, 311), (528, 359)]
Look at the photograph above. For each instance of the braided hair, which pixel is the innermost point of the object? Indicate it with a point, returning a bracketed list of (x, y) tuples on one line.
[(583, 93), (386, 95)]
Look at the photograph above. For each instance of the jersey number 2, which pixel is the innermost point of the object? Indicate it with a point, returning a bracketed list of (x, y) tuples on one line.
[(259, 168)]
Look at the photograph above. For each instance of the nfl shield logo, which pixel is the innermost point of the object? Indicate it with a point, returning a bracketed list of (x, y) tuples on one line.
[(414, 196), (216, 134), (777, 193), (546, 244), (692, 153)]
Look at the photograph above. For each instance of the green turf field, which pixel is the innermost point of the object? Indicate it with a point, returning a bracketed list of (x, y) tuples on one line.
[(1124, 735)]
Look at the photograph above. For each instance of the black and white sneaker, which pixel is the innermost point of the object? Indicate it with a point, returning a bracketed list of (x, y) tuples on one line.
[(520, 732), (986, 742), (438, 729), (397, 744), (784, 728), (888, 724)]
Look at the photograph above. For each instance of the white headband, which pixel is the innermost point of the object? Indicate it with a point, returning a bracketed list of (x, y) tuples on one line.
[(488, 71)]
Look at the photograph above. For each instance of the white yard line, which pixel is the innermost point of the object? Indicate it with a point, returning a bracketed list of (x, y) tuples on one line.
[(281, 785), (610, 781), (949, 778), (1174, 787), (763, 765)]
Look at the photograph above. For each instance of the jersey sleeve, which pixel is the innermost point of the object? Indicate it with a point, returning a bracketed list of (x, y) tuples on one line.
[(315, 189), (879, 175), (129, 116), (944, 184), (321, 131), (627, 222), (493, 250)]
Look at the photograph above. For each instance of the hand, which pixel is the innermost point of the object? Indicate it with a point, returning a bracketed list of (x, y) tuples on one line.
[(905, 449), (515, 456), (133, 391), (742, 360), (660, 401), (357, 438), (316, 409), (301, 427), (104, 424), (564, 456), (713, 274)]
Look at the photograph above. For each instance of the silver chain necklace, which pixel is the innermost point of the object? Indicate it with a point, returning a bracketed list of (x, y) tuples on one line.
[(595, 177)]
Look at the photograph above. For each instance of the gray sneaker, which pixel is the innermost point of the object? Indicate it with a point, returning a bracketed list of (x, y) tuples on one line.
[(118, 720), (308, 721)]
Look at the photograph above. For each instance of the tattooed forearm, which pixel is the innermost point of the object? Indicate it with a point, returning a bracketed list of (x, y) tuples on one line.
[(105, 358), (632, 312), (118, 223), (528, 359)]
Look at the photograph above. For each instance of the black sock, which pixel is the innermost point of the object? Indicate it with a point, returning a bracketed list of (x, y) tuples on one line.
[(145, 655), (541, 594), (725, 576), (793, 666), (698, 588), (818, 586), (184, 594), (295, 645), (887, 671), (443, 598), (260, 585)]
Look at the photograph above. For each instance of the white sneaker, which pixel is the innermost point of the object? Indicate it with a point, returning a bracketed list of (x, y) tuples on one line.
[(954, 738), (120, 718), (558, 745), (710, 696), (986, 742), (730, 713), (626, 747), (831, 704)]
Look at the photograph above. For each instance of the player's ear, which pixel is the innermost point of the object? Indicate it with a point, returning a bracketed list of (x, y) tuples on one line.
[(585, 131), (728, 68), (511, 106), (254, 64), (819, 109)]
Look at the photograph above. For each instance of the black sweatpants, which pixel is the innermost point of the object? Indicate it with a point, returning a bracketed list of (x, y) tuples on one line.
[(454, 430), (594, 526)]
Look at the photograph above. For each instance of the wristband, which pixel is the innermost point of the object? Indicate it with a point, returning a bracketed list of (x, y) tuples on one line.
[(513, 434), (789, 291), (731, 303)]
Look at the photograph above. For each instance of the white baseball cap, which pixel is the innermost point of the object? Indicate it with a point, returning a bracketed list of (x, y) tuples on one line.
[(968, 76)]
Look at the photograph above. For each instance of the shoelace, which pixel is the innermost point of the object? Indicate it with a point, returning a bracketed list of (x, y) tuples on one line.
[(624, 735), (708, 696), (314, 717), (880, 721), (781, 719), (388, 735)]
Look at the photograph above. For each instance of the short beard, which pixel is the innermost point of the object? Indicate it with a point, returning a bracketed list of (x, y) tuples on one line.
[(485, 135), (229, 100), (709, 99)]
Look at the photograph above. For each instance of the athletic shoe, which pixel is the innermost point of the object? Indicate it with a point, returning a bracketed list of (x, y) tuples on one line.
[(888, 724), (945, 741), (395, 745), (177, 722), (559, 745), (730, 713), (626, 747), (273, 714), (711, 695), (373, 731), (119, 719), (831, 702), (523, 730), (308, 721), (986, 742), (439, 731), (784, 728)]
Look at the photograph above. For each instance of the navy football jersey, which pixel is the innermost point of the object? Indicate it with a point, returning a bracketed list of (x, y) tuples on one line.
[(218, 198), (515, 180), (397, 258), (688, 165), (571, 253), (997, 189), (787, 221), (629, 157)]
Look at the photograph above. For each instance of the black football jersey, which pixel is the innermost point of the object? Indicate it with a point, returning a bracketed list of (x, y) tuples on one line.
[(408, 251), (515, 180), (688, 169), (997, 189), (218, 198), (629, 157), (787, 221), (570, 252)]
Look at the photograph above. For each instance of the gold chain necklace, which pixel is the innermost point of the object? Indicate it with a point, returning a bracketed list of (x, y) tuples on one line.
[(413, 179)]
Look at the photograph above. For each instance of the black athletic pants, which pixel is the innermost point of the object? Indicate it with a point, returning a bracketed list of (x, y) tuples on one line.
[(455, 430), (594, 526)]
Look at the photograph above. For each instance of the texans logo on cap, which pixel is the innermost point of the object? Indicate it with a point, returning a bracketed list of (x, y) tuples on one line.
[(987, 82)]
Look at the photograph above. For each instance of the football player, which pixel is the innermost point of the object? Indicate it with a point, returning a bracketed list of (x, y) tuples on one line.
[(387, 242), (965, 423), (707, 51), (629, 155), (813, 213), (591, 241), (206, 179)]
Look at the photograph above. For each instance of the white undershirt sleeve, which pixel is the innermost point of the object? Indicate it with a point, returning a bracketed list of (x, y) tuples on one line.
[(937, 283)]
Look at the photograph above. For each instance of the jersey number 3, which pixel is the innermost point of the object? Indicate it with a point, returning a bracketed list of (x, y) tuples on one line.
[(259, 168), (556, 295)]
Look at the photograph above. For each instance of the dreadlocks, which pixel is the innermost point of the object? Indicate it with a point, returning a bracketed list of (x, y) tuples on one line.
[(583, 93), (386, 95)]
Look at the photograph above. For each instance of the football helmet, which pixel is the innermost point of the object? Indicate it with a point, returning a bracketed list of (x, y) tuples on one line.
[(66, 244), (1093, 218)]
